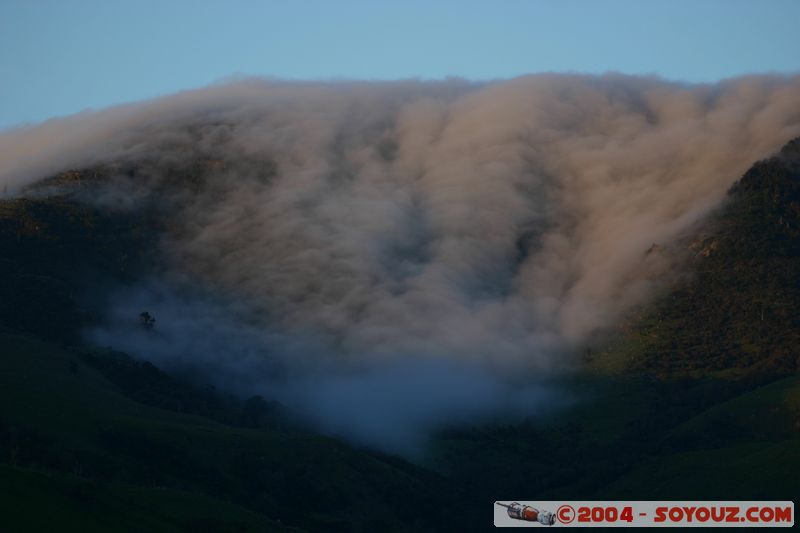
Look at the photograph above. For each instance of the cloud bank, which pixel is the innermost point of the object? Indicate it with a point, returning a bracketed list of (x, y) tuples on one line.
[(408, 248)]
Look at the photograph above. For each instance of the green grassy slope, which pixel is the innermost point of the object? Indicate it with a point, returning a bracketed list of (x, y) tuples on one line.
[(34, 500), (747, 445), (60, 415), (638, 439)]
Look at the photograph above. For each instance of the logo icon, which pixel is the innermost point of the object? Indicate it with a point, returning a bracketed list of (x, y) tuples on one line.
[(527, 513)]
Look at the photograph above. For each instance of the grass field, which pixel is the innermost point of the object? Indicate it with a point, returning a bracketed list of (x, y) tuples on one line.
[(34, 500), (59, 415)]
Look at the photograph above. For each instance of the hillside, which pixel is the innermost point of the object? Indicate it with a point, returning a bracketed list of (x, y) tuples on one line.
[(704, 376), (738, 314), (60, 415), (57, 254)]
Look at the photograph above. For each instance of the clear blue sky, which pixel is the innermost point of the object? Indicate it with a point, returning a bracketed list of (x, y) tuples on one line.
[(61, 56)]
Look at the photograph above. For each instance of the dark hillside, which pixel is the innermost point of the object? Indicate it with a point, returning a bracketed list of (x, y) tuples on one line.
[(55, 250), (739, 313), (705, 376), (108, 453)]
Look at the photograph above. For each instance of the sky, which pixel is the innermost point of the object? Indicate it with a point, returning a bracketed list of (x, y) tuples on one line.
[(61, 57)]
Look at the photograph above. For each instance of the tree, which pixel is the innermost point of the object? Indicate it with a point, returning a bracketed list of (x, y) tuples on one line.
[(147, 320)]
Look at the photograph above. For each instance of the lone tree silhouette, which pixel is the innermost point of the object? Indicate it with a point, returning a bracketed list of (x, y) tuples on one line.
[(147, 320)]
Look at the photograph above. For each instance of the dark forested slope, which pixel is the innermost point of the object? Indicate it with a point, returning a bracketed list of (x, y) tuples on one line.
[(738, 313)]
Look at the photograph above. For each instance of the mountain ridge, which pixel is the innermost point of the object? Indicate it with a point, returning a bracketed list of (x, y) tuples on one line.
[(686, 384), (740, 309)]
